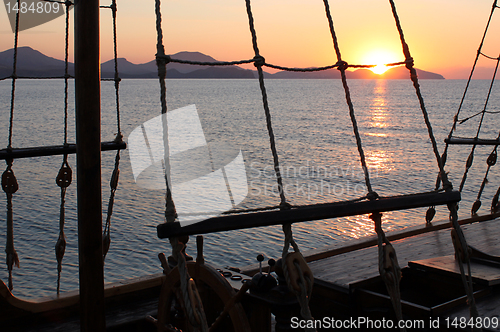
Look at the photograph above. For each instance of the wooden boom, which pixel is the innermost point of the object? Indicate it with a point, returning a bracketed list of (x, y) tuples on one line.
[(307, 213), (54, 150), (472, 141)]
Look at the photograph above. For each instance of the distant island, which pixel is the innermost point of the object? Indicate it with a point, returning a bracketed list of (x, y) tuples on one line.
[(32, 63)]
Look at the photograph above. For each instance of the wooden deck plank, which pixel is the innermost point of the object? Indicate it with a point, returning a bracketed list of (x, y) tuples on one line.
[(351, 267), (481, 274), (340, 247)]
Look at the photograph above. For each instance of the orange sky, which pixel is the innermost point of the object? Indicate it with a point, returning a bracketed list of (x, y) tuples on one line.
[(443, 35)]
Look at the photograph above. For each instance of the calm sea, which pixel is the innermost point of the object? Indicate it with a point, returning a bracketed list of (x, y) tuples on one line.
[(316, 147)]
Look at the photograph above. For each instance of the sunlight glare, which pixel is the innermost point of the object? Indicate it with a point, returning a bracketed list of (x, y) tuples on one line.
[(379, 58), (379, 69)]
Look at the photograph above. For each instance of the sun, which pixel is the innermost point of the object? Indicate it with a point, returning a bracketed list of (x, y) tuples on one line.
[(379, 69), (379, 58)]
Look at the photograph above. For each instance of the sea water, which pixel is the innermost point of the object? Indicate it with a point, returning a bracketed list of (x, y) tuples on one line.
[(317, 152)]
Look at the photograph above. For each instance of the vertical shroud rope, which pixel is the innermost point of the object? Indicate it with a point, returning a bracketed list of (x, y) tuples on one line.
[(455, 119), (113, 183), (9, 181), (297, 263), (64, 176), (196, 315), (470, 159), (460, 245), (260, 61), (388, 264), (342, 68)]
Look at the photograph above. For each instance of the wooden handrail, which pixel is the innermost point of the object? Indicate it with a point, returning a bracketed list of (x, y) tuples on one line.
[(54, 150), (307, 213)]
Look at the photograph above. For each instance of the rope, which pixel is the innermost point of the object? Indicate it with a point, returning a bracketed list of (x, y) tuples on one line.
[(169, 59), (494, 201), (9, 181), (455, 119), (491, 161), (488, 56), (343, 67), (113, 183), (63, 180), (170, 212), (64, 176), (388, 266), (259, 62), (178, 254), (196, 315), (463, 256), (10, 186), (443, 177), (413, 76), (305, 280), (483, 112), (303, 294), (474, 115), (14, 77)]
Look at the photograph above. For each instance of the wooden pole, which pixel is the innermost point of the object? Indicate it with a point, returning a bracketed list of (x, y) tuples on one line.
[(88, 140)]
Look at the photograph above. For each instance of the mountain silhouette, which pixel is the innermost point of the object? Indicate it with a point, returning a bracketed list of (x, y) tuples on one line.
[(392, 73), (32, 63)]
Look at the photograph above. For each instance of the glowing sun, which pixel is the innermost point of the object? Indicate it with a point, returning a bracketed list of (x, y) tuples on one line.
[(379, 58), (379, 69)]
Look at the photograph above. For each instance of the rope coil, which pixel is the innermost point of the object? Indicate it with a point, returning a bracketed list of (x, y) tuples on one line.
[(298, 275), (388, 266), (462, 253), (10, 186)]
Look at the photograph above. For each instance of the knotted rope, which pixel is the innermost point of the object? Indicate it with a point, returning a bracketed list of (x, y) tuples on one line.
[(442, 174), (462, 255), (63, 180), (470, 159), (491, 161), (189, 293), (388, 266), (342, 68), (190, 296), (9, 181), (259, 62), (300, 281), (10, 186), (456, 117), (298, 276), (64, 176), (113, 183)]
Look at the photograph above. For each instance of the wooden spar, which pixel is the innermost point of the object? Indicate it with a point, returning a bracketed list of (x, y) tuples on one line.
[(472, 141), (307, 213), (54, 150), (88, 149)]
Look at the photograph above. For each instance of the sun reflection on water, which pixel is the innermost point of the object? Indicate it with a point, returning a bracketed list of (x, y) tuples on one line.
[(379, 121), (378, 159), (378, 108)]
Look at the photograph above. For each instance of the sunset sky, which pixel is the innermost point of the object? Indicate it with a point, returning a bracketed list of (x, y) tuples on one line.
[(443, 35)]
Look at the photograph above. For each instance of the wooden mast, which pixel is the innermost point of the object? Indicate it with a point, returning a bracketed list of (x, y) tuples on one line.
[(88, 138)]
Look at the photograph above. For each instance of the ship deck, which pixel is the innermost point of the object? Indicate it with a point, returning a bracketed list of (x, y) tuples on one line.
[(348, 283), (355, 266)]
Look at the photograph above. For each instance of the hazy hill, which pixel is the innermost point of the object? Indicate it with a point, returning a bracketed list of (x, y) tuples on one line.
[(33, 63), (392, 73)]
